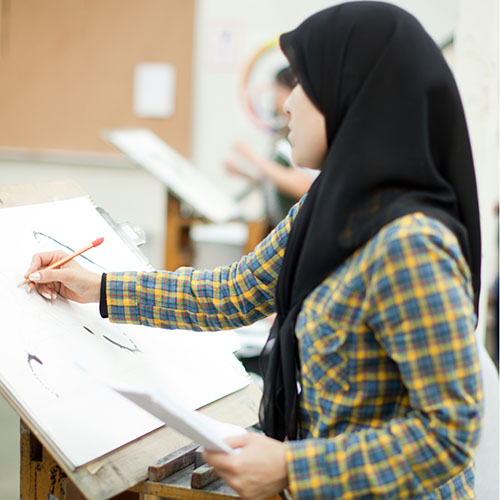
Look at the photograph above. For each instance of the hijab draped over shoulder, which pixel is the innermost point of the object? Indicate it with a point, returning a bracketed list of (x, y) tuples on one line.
[(397, 144)]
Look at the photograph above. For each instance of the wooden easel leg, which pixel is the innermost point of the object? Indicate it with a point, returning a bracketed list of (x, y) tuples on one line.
[(40, 475), (71, 492), (42, 478), (178, 247), (257, 231), (31, 450)]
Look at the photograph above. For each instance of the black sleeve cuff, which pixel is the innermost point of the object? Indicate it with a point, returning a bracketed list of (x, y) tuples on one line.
[(103, 304)]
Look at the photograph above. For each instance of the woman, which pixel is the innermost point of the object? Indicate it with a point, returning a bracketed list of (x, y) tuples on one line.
[(374, 277)]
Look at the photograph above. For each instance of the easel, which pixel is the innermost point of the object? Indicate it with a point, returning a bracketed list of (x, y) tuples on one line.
[(44, 472), (140, 466), (178, 247), (187, 203)]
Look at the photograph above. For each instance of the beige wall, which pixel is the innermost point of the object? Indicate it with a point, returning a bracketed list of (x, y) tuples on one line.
[(68, 67)]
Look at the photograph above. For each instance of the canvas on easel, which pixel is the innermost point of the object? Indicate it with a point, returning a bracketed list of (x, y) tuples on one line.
[(81, 422)]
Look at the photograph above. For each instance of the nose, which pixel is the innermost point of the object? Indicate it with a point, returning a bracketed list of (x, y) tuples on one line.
[(287, 106)]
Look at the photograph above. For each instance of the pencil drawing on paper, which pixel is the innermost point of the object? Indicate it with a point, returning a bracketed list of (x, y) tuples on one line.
[(35, 363), (132, 347), (42, 238)]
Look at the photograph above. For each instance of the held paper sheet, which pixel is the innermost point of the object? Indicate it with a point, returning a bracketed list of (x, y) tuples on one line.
[(206, 431), (43, 342)]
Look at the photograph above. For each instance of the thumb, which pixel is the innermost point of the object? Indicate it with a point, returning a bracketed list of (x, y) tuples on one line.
[(50, 275), (238, 441)]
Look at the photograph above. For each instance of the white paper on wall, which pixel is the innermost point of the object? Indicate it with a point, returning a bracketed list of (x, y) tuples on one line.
[(154, 90)]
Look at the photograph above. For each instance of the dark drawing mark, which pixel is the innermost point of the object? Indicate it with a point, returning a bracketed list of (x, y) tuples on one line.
[(32, 358), (114, 342), (38, 234), (130, 349), (88, 330)]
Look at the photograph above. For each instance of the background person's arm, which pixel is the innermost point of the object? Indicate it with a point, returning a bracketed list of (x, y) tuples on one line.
[(291, 181)]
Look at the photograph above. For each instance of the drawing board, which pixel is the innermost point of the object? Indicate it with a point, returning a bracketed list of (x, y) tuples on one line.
[(45, 343), (186, 181)]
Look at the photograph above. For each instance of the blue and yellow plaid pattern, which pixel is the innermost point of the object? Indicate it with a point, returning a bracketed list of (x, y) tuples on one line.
[(390, 400)]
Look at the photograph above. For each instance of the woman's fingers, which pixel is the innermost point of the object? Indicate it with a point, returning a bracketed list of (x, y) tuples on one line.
[(239, 441), (50, 276), (47, 293), (71, 280), (257, 471), (44, 259), (222, 461)]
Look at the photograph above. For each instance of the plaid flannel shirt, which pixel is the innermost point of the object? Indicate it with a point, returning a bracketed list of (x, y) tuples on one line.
[(390, 402)]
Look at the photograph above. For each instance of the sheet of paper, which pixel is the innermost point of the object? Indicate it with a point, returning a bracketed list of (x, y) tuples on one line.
[(179, 175), (206, 431), (43, 341), (154, 90)]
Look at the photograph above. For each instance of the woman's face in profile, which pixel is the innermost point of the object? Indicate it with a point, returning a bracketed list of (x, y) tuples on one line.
[(307, 130)]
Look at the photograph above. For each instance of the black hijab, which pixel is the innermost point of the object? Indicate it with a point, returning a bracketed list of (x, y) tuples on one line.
[(397, 144)]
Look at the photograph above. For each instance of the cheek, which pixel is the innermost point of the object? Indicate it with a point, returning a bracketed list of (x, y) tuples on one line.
[(308, 149), (318, 142)]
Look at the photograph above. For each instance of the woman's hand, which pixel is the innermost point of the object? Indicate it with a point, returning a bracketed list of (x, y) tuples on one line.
[(257, 471), (71, 281)]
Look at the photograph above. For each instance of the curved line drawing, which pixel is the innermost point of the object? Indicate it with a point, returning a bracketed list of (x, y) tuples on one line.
[(132, 349), (36, 234), (129, 349), (33, 358)]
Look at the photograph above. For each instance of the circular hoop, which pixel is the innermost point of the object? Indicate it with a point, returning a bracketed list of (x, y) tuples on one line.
[(257, 91)]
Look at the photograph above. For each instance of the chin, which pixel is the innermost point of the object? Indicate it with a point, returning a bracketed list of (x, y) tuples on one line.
[(296, 159), (298, 162), (308, 161)]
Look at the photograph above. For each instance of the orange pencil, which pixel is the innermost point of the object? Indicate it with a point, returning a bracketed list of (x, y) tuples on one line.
[(61, 262)]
